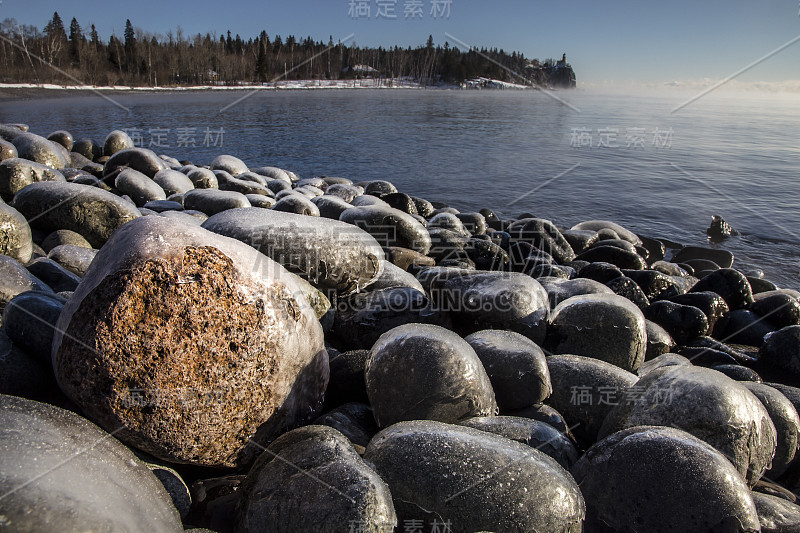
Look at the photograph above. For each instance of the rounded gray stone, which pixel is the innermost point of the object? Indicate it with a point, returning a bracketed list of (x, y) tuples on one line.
[(604, 326), (49, 486), (474, 480), (665, 480), (516, 367), (426, 372), (92, 212), (337, 491), (707, 404)]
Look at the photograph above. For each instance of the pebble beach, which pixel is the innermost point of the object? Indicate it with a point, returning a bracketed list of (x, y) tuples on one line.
[(209, 346)]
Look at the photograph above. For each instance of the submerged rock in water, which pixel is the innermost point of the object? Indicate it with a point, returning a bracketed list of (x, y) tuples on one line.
[(62, 473), (720, 230), (201, 358), (425, 372), (662, 479), (473, 480)]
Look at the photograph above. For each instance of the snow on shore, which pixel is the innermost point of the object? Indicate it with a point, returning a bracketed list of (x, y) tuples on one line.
[(401, 83)]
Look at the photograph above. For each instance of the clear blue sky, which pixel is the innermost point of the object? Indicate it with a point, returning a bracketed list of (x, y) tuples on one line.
[(640, 41)]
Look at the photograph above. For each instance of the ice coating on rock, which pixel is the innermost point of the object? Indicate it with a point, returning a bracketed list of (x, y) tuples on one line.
[(476, 480), (559, 289), (229, 163), (392, 226), (331, 254), (62, 473), (534, 433), (608, 327), (707, 404), (215, 334), (597, 225), (516, 367), (426, 372), (662, 479), (337, 489), (494, 300), (90, 211)]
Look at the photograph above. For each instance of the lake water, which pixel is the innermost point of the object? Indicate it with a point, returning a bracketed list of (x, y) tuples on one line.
[(621, 158)]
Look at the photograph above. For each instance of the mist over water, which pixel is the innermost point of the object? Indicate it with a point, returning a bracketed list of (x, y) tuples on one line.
[(661, 174)]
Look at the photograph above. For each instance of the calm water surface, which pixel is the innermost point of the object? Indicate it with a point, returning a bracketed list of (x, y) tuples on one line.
[(622, 158)]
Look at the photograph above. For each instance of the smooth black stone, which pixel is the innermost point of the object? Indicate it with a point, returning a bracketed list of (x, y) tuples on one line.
[(738, 373), (627, 288), (780, 309), (662, 479), (533, 433), (353, 420), (543, 235), (787, 424), (362, 318), (781, 351), (655, 247), (346, 383), (654, 284), (475, 223), (53, 274), (742, 327), (543, 413), (710, 303), (580, 240), (735, 353), (486, 254), (616, 256), (682, 322), (723, 258), (760, 285), (401, 201), (516, 367), (731, 284), (659, 341), (585, 390), (599, 271)]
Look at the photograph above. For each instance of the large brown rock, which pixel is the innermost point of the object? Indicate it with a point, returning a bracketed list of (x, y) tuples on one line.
[(173, 342)]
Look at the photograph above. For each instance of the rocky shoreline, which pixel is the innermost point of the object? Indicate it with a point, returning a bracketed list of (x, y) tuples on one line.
[(224, 348)]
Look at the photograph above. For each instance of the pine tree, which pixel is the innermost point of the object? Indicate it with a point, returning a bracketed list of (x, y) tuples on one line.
[(56, 39), (131, 63), (261, 61), (75, 38), (95, 38)]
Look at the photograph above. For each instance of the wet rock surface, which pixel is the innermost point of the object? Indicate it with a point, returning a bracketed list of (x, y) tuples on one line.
[(437, 470), (335, 489), (662, 479), (603, 326), (174, 300), (425, 372), (49, 487), (707, 404)]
